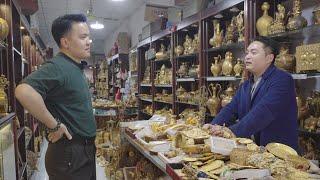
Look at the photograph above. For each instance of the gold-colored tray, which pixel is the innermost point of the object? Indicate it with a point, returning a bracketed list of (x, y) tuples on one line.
[(280, 150)]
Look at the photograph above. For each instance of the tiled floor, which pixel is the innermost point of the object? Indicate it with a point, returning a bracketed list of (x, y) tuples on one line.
[(42, 175)]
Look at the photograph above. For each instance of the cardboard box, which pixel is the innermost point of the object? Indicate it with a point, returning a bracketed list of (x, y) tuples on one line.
[(174, 14), (153, 28), (191, 7)]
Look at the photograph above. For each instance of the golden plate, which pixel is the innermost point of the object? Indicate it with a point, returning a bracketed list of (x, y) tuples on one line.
[(212, 166), (280, 150), (244, 140), (189, 159)]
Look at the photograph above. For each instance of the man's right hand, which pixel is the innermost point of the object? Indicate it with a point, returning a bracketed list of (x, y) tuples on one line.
[(55, 136)]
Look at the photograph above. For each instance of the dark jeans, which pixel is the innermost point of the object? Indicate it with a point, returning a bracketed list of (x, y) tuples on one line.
[(71, 159)]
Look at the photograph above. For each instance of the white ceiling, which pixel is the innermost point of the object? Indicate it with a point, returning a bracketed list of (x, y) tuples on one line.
[(51, 9)]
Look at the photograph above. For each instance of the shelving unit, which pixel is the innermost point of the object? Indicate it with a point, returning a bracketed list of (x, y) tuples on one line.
[(21, 53)]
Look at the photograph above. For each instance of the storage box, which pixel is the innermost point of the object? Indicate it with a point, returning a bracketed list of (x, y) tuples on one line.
[(123, 42), (174, 15)]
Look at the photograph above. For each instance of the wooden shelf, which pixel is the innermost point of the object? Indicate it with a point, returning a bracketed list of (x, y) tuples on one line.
[(146, 85), (186, 79), (193, 104), (305, 76), (147, 100), (232, 46), (187, 56), (309, 31), (163, 85), (162, 60), (159, 101), (223, 78)]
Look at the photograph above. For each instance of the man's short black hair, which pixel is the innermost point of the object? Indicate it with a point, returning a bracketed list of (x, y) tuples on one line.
[(269, 43), (62, 25)]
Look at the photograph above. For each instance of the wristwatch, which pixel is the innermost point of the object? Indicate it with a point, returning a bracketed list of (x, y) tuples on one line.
[(55, 128)]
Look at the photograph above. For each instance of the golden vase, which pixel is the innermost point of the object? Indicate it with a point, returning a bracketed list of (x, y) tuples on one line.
[(216, 67), (227, 64), (264, 22)]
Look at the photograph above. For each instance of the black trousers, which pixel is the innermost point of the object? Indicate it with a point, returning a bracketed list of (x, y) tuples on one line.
[(71, 159)]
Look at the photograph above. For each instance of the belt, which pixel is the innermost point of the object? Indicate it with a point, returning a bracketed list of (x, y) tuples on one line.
[(83, 140)]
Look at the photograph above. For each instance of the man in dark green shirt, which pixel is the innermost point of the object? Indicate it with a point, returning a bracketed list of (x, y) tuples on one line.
[(57, 95)]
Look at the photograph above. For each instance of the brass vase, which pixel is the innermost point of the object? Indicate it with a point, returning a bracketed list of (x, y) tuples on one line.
[(238, 68), (216, 40), (214, 102), (216, 67), (227, 64), (264, 22), (296, 21), (3, 96), (284, 60)]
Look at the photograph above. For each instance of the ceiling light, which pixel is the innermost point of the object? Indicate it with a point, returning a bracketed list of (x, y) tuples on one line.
[(21, 27), (234, 9), (97, 25)]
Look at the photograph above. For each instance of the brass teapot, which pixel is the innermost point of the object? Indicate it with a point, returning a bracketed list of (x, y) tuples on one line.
[(214, 102), (227, 66), (264, 22), (284, 60), (183, 70), (230, 31), (3, 96), (238, 68), (180, 91), (162, 53), (216, 40), (227, 98), (216, 67), (296, 21), (179, 50), (194, 71)]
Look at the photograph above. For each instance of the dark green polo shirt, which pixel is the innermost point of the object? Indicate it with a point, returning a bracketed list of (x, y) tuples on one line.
[(62, 84)]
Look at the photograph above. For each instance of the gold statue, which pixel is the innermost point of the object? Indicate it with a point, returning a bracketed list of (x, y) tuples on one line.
[(296, 21), (277, 26), (3, 96), (240, 26)]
